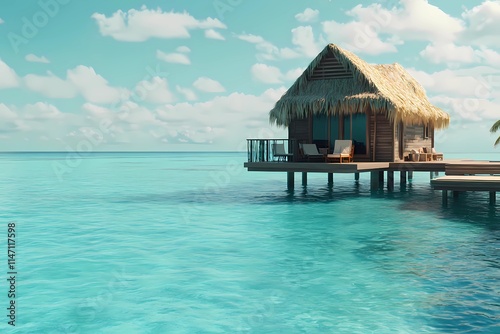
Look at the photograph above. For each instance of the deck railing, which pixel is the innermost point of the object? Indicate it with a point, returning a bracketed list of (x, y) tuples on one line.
[(261, 150)]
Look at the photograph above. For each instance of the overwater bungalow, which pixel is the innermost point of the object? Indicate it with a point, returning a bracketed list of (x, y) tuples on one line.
[(381, 108), (380, 111)]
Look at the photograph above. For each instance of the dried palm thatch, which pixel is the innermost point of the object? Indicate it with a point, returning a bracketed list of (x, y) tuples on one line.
[(384, 89)]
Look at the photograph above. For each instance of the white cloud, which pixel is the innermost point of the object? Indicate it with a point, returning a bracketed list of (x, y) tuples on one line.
[(92, 86), (273, 75), (477, 82), (463, 110), (454, 55), (177, 58), (8, 77), (449, 53), (205, 84), (135, 127), (266, 74), (41, 111), (183, 49), (100, 112), (154, 91), (376, 29), (294, 74), (135, 115), (357, 37), (268, 51), (35, 59), (407, 21), (50, 86), (303, 39), (489, 56), (308, 15), (11, 120), (188, 93), (140, 25), (483, 24), (34, 120), (80, 80), (206, 122), (471, 94), (212, 34), (6, 113), (182, 125)]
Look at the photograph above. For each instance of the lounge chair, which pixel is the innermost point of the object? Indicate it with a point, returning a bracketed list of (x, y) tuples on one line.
[(310, 151), (343, 150), (279, 152), (436, 155)]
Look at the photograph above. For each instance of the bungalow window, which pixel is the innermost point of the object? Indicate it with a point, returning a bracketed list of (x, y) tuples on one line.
[(426, 131)]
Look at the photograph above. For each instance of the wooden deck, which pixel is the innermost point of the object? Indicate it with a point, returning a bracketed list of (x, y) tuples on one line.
[(467, 183), (422, 166), (451, 167), (461, 175), (316, 167), (473, 168)]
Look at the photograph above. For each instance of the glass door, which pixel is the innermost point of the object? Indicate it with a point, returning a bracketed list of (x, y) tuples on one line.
[(355, 130)]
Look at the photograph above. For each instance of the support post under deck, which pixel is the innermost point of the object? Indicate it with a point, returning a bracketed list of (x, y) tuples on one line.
[(356, 176), (493, 197), (304, 179), (290, 180), (330, 179), (374, 180), (390, 180), (402, 177), (381, 178), (445, 197)]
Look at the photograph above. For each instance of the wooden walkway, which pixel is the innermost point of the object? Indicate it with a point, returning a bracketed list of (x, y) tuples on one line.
[(469, 176), (467, 183)]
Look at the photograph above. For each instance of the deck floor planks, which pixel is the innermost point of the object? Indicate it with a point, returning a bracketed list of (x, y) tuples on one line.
[(467, 183)]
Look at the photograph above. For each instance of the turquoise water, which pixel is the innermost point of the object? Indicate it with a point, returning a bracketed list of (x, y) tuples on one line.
[(192, 243)]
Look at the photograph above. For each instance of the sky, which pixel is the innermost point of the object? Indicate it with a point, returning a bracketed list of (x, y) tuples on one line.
[(179, 75)]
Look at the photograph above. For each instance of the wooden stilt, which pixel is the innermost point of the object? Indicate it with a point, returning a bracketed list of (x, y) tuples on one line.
[(410, 175), (330, 179), (290, 180), (445, 197), (356, 176), (390, 180), (402, 177), (304, 178), (493, 197), (381, 178), (374, 180)]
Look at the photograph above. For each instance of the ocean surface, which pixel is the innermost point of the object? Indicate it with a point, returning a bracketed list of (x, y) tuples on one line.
[(193, 243)]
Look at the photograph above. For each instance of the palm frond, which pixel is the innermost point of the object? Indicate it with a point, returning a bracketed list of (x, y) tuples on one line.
[(495, 127)]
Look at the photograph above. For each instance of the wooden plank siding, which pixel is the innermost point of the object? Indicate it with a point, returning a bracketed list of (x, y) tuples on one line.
[(384, 150), (414, 138), (397, 129), (299, 129)]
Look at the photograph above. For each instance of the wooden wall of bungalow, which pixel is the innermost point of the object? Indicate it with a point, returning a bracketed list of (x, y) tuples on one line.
[(392, 141)]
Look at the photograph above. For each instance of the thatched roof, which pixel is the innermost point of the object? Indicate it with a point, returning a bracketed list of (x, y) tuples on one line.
[(339, 82)]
